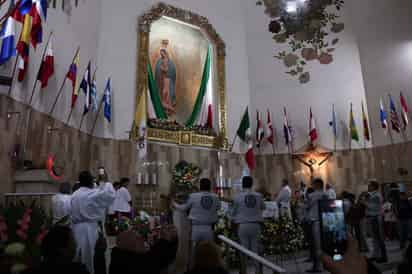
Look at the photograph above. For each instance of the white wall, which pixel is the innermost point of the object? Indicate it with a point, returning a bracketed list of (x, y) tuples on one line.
[(117, 54), (384, 34), (338, 83), (81, 28)]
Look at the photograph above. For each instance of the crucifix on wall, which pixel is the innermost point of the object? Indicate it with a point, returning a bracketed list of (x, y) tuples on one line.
[(312, 156)]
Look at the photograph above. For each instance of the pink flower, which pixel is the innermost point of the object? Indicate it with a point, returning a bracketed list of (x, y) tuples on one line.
[(26, 218), (28, 211), (24, 227), (309, 54), (22, 234), (40, 237), (4, 237), (325, 58), (3, 226)]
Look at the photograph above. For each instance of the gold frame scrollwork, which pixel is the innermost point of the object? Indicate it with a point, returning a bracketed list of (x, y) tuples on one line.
[(182, 137)]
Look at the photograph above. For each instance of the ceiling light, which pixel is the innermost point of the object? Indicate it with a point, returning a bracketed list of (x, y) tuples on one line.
[(291, 7)]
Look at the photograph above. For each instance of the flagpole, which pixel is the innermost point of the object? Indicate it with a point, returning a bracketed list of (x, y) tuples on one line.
[(84, 114), (97, 116), (350, 128), (38, 72), (62, 86), (233, 142)]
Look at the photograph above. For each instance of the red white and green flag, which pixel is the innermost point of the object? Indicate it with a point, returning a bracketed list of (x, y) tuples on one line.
[(313, 133), (404, 112), (244, 132), (260, 133)]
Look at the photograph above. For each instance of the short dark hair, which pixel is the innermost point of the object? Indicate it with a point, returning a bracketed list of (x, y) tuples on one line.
[(205, 184), (374, 184), (57, 239), (247, 182), (285, 182), (124, 180), (86, 179), (65, 188), (318, 182)]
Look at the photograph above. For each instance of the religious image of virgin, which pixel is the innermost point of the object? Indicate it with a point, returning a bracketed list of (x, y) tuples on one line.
[(165, 76)]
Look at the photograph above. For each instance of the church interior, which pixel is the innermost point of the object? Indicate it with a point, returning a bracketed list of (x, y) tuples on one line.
[(166, 93)]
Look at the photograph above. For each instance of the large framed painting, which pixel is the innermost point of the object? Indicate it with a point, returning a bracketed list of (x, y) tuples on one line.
[(181, 72)]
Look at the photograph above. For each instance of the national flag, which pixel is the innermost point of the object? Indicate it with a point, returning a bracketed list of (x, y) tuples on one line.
[(366, 133), (72, 76), (394, 116), (140, 123), (107, 99), (404, 112), (23, 48), (47, 66), (352, 126), (333, 123), (38, 12), (383, 115), (24, 6), (245, 134), (313, 133), (260, 133), (93, 93), (287, 130), (270, 131), (8, 47), (85, 86)]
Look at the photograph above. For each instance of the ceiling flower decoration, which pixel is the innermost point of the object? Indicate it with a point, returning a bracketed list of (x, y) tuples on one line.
[(306, 27)]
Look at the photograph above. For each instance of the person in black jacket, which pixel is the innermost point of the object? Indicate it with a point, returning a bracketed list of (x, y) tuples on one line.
[(58, 249), (131, 257), (404, 214), (207, 259)]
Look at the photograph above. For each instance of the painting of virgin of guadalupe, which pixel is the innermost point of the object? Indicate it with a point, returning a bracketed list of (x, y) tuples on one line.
[(165, 76), (177, 54)]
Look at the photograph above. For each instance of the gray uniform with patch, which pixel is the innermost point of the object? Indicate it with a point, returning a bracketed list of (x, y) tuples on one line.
[(203, 208), (247, 212)]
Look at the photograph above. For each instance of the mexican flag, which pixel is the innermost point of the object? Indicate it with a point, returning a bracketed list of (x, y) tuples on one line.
[(352, 126), (244, 132)]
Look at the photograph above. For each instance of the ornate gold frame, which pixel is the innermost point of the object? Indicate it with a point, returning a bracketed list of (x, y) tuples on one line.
[(181, 137)]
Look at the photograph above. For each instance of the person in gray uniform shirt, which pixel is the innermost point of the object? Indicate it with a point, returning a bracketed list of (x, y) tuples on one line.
[(373, 214), (313, 214), (203, 207), (247, 214)]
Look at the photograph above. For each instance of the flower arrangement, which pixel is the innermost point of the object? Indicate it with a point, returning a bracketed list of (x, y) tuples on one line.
[(22, 229), (282, 236), (224, 227), (185, 176), (306, 29)]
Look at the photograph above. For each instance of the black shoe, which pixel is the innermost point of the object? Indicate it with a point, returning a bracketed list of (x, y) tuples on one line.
[(382, 260)]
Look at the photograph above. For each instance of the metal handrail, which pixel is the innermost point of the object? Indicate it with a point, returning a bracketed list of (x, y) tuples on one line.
[(252, 255), (29, 194)]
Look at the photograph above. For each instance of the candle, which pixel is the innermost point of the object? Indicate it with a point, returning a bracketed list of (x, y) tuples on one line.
[(146, 179), (154, 178), (139, 178)]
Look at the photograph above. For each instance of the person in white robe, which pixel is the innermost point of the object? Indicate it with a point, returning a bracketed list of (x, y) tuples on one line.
[(61, 203), (283, 200), (89, 205)]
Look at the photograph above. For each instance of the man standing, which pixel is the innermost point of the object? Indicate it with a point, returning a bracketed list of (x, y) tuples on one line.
[(61, 203), (247, 213), (374, 219), (283, 200), (89, 205), (330, 192), (313, 212), (203, 207), (404, 212)]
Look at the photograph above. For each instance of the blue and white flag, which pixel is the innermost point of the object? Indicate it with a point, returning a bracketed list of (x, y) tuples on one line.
[(107, 98), (93, 93), (383, 116), (8, 46), (85, 86)]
